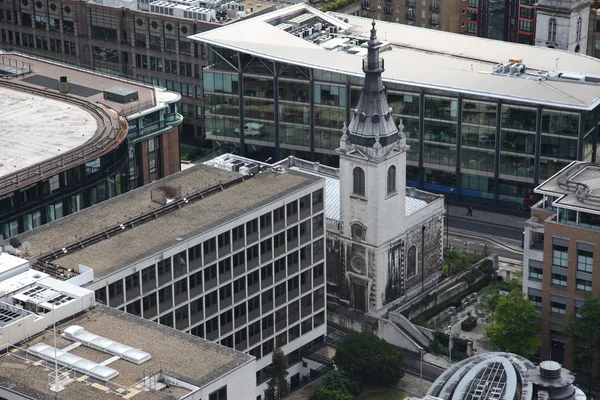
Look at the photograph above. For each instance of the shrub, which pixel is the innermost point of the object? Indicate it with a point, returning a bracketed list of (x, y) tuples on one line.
[(337, 386), (369, 359), (337, 5)]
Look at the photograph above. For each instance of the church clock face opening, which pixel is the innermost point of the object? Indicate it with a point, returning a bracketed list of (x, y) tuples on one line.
[(358, 264), (358, 232)]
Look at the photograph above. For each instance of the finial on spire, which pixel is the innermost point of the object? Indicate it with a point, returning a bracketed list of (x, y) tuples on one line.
[(373, 30)]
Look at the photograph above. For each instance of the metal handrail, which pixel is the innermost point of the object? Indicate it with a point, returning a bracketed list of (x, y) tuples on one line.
[(97, 144)]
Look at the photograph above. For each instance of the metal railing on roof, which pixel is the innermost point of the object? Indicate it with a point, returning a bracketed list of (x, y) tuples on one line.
[(45, 263), (97, 144), (582, 191)]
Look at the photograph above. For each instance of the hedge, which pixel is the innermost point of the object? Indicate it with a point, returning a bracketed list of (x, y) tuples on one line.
[(337, 5), (451, 302)]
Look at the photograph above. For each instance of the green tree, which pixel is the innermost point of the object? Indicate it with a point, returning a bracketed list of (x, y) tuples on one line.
[(488, 299), (515, 327), (278, 386), (369, 359), (583, 330), (324, 393)]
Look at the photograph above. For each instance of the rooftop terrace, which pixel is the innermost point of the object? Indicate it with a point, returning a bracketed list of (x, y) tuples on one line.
[(577, 187), (180, 356)]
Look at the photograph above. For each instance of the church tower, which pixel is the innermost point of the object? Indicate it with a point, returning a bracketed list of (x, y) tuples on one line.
[(562, 24), (372, 190)]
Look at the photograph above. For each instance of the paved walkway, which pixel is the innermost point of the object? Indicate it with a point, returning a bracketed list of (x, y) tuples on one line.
[(509, 221)]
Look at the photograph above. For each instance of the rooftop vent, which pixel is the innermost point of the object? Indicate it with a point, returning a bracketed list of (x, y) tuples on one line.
[(79, 334), (121, 95), (72, 361), (550, 369)]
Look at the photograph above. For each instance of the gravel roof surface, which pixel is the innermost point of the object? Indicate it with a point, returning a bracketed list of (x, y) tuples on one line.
[(56, 235), (179, 355), (145, 240)]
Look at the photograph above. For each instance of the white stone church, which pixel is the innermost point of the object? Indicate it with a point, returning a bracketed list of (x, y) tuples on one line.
[(384, 240)]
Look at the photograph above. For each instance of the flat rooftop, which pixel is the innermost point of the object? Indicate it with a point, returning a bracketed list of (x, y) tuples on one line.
[(35, 128), (135, 243), (577, 186), (43, 129), (181, 356), (414, 56), (84, 84)]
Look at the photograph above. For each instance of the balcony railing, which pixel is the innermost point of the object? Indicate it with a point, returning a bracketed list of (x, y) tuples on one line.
[(388, 11), (410, 16), (434, 21), (411, 3), (435, 8)]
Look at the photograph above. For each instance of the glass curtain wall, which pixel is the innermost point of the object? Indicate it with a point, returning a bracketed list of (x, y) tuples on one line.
[(440, 117), (517, 156), (321, 102), (478, 149)]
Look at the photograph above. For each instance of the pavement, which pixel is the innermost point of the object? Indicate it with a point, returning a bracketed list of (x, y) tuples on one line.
[(487, 217)]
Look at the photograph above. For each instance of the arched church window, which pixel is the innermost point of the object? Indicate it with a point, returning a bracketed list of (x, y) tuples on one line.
[(579, 22), (411, 267), (358, 176), (552, 30), (391, 180)]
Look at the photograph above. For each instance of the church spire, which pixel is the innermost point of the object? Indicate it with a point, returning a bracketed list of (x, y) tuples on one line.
[(372, 125)]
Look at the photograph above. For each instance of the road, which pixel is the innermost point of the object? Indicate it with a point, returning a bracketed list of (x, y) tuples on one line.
[(478, 236), (486, 229)]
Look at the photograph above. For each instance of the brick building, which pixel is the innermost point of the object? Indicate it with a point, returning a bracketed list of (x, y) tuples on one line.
[(560, 257)]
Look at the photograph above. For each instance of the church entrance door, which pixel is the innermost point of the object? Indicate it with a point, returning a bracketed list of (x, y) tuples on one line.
[(358, 296)]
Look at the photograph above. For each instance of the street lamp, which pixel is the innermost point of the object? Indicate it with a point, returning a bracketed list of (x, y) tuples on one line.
[(421, 373), (450, 344), (448, 214)]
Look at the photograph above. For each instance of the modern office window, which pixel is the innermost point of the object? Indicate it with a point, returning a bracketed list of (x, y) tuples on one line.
[(140, 40), (585, 260), (536, 301), (358, 176), (170, 46), (558, 308), (155, 42), (583, 285), (559, 280), (391, 180), (535, 273), (560, 256)]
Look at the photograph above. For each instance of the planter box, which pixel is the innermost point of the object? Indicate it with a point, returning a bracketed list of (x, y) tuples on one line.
[(468, 324)]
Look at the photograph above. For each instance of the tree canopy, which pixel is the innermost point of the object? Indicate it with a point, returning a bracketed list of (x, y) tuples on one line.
[(278, 386), (515, 327), (337, 386), (488, 299), (369, 359), (583, 330)]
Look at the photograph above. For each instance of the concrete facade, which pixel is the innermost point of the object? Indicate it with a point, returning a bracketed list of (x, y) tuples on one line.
[(238, 260)]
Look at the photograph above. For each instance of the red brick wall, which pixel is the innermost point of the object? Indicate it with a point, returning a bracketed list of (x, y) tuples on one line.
[(170, 152), (144, 166), (573, 234)]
